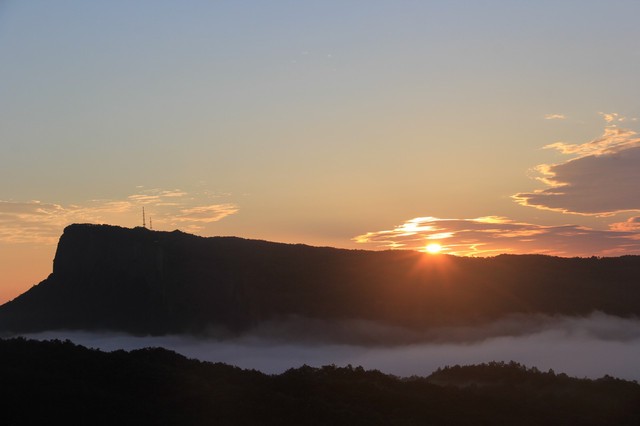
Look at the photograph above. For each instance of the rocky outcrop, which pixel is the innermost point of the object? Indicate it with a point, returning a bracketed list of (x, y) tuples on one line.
[(143, 281)]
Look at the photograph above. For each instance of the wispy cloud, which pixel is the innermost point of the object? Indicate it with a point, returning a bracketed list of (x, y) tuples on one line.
[(613, 140), (38, 222), (492, 235), (612, 117), (206, 214), (555, 117), (630, 225), (30, 221), (601, 178)]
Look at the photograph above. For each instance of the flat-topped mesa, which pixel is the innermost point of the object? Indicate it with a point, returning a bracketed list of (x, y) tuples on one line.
[(109, 277), (88, 252), (143, 281)]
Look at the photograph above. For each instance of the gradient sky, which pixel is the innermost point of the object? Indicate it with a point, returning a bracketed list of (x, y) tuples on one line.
[(484, 126)]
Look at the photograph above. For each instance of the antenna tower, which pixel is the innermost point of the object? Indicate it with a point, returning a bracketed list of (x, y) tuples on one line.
[(144, 222), (150, 223)]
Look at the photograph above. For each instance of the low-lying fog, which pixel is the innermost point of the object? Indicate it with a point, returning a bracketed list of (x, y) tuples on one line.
[(583, 347)]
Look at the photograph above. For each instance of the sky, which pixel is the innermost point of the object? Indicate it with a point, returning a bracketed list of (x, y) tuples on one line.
[(484, 127)]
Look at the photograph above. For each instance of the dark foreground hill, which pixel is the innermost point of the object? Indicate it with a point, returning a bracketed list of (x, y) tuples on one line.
[(144, 281), (60, 383)]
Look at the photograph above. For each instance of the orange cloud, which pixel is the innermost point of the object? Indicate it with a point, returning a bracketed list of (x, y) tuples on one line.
[(206, 214), (631, 225), (31, 221), (42, 223), (612, 141), (555, 117), (612, 117), (495, 235)]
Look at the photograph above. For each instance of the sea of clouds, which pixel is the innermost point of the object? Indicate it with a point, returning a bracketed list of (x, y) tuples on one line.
[(591, 346)]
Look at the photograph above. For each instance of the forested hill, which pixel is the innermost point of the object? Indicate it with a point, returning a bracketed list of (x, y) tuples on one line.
[(59, 382), (143, 281)]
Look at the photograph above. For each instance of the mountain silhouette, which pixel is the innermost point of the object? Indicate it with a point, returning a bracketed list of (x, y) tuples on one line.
[(151, 282)]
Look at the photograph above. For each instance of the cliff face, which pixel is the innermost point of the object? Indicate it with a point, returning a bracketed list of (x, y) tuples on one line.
[(103, 277), (143, 281)]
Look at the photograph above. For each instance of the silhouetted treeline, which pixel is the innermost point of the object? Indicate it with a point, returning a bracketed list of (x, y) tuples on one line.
[(58, 382), (144, 281)]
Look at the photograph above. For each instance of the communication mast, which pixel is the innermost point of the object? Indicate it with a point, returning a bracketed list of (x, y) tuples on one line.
[(144, 222), (150, 223)]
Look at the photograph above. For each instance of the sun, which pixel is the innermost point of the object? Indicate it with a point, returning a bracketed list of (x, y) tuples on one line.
[(433, 248)]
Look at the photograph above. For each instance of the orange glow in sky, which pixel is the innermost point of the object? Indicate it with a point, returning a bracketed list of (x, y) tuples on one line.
[(375, 129)]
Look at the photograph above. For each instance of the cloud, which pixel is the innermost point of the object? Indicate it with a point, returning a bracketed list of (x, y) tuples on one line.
[(631, 225), (156, 196), (583, 347), (555, 117), (30, 221), (612, 117), (492, 235), (612, 141), (42, 223), (206, 214), (601, 179)]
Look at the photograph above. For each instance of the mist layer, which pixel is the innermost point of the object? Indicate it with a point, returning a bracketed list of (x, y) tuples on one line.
[(590, 347)]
